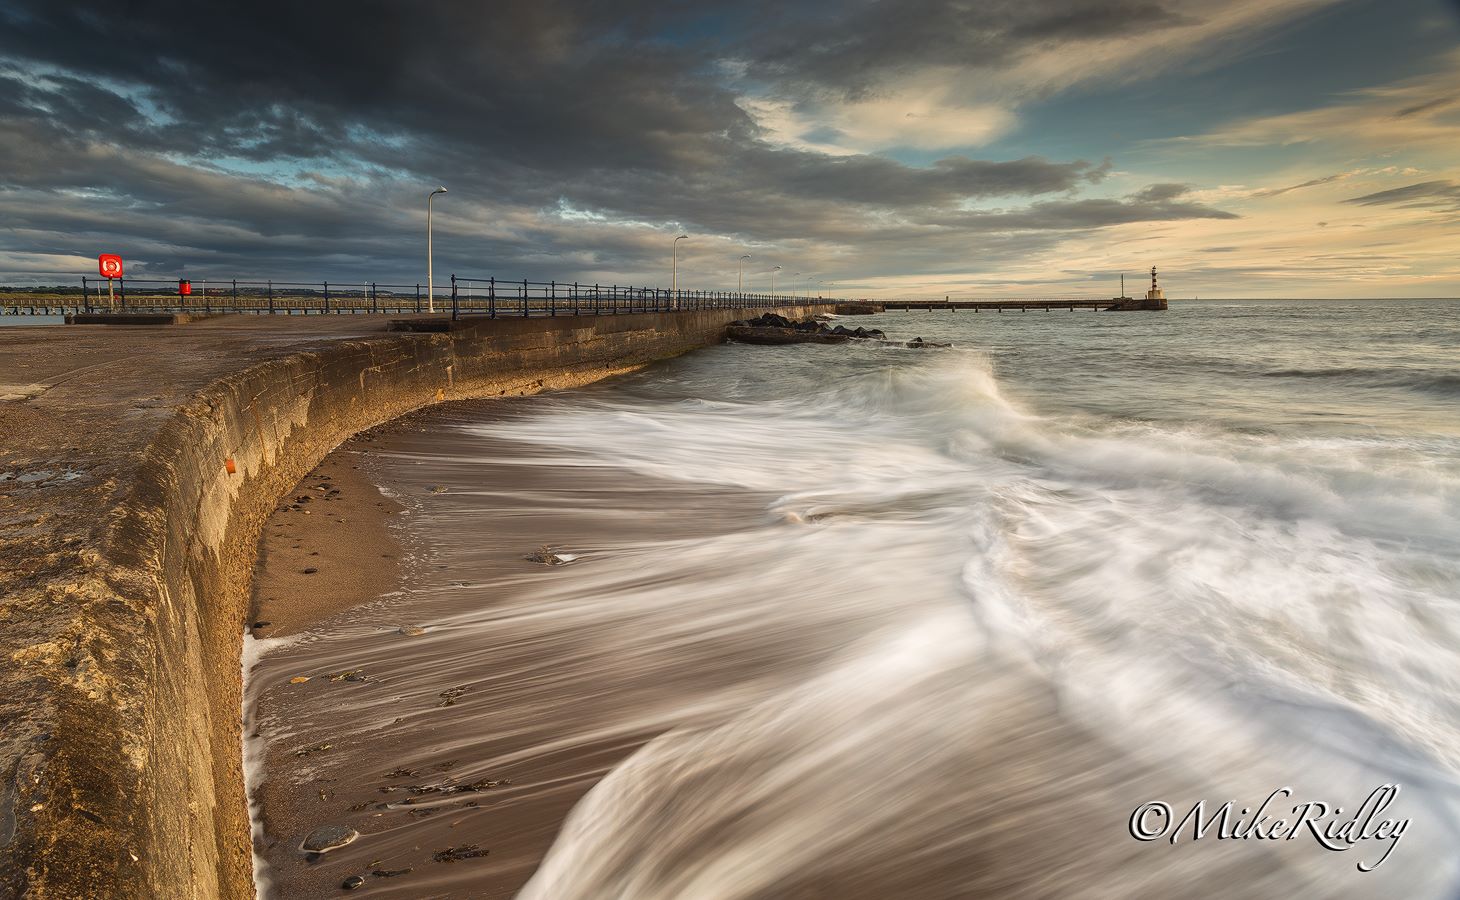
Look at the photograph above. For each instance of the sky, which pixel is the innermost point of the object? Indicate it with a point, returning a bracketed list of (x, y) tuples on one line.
[(901, 148)]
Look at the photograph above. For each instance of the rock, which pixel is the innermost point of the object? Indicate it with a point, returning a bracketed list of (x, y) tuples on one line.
[(258, 625), (392, 873), (328, 837), (310, 571), (411, 630), (453, 854), (547, 556), (352, 882), (299, 679)]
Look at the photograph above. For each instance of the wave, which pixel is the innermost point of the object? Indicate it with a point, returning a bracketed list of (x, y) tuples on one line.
[(1444, 384), (1185, 610)]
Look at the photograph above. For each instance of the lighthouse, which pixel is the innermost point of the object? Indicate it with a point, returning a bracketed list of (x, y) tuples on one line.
[(1155, 298), (1154, 293)]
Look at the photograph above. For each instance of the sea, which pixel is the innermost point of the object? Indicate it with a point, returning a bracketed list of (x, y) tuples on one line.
[(1010, 618)]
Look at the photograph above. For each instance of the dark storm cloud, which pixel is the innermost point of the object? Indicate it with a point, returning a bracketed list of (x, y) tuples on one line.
[(1158, 202), (1441, 195), (848, 50), (299, 138), (1102, 20)]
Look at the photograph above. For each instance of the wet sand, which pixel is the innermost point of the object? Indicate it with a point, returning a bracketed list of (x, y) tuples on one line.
[(388, 735), (327, 547)]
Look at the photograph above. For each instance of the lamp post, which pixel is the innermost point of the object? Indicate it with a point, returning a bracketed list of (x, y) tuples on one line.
[(674, 276), (774, 270), (794, 276), (740, 278), (430, 274)]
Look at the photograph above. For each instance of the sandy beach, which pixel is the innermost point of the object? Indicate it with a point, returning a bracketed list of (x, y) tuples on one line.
[(385, 736)]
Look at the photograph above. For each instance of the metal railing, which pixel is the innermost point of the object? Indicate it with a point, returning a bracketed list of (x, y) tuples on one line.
[(467, 296), (498, 298)]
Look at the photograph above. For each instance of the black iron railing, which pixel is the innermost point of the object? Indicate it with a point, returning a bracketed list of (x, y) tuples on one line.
[(460, 296), (495, 297)]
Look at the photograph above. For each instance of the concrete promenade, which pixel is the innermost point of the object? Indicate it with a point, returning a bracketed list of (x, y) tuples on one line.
[(137, 466)]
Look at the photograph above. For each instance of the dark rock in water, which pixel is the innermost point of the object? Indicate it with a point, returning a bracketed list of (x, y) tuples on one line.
[(454, 854), (328, 837), (258, 625), (547, 556), (352, 882), (773, 329)]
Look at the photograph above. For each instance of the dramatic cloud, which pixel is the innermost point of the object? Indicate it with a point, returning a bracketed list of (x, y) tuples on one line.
[(299, 140), (1441, 195)]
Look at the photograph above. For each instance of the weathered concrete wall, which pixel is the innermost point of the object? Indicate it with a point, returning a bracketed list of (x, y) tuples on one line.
[(121, 757)]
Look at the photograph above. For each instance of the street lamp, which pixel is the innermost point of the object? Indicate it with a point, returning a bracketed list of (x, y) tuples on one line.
[(740, 278), (774, 270), (674, 278), (430, 275)]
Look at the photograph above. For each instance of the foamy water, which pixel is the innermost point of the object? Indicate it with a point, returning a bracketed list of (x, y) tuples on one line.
[(993, 600)]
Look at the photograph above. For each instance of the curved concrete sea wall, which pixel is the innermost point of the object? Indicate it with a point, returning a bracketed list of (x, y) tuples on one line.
[(119, 657)]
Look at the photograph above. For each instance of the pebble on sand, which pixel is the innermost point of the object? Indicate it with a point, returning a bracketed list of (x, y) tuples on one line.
[(328, 837), (352, 882), (411, 630), (455, 854)]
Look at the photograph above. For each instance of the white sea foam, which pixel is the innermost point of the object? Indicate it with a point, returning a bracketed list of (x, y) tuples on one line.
[(1232, 610), (993, 602)]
